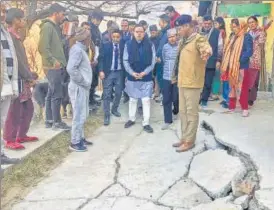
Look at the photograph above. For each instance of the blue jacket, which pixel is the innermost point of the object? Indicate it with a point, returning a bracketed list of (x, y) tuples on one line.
[(162, 41), (126, 36), (247, 51), (106, 55), (213, 41)]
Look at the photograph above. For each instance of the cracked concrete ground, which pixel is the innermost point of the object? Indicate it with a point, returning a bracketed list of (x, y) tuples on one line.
[(128, 169)]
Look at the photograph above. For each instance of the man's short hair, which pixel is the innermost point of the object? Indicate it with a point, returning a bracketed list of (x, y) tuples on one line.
[(165, 18), (143, 23), (97, 15), (170, 9), (207, 18), (56, 8), (13, 13), (124, 20), (116, 31), (139, 25)]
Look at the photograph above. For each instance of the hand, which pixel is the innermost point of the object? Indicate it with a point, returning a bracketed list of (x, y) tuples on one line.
[(102, 75), (218, 65), (142, 74), (57, 65), (32, 83), (136, 75), (173, 81), (158, 60), (205, 56)]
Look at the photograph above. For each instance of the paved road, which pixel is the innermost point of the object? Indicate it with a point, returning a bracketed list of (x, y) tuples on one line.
[(128, 169)]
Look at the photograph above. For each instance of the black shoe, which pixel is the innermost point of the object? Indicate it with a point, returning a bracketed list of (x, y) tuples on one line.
[(148, 129), (175, 111), (129, 124), (48, 124), (6, 160), (80, 147), (106, 120), (116, 113), (87, 143), (126, 99), (61, 126)]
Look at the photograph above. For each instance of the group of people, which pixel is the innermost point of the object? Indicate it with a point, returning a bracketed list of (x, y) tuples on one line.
[(181, 66)]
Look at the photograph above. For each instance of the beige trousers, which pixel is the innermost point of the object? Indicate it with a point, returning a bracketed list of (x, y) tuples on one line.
[(189, 112)]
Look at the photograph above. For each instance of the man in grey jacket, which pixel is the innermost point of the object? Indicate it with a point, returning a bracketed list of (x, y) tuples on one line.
[(80, 72)]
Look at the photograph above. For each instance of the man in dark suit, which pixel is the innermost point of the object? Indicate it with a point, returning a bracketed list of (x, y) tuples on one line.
[(111, 72)]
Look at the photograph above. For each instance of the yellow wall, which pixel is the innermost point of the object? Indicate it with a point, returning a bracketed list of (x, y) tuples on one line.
[(270, 41)]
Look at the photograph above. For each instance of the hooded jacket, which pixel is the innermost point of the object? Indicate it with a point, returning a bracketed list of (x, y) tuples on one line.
[(50, 45)]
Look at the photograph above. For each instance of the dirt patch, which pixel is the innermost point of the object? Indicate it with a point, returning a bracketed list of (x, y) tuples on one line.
[(18, 180)]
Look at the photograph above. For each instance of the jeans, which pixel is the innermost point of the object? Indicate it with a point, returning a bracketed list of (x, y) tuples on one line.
[(40, 92), (225, 91), (146, 109), (170, 97), (54, 95), (209, 76), (18, 119), (79, 98), (113, 80)]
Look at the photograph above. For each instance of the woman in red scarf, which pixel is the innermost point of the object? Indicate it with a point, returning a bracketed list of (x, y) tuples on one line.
[(235, 65)]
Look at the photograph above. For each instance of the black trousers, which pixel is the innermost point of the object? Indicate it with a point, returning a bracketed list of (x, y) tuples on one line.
[(93, 86), (209, 76), (170, 97)]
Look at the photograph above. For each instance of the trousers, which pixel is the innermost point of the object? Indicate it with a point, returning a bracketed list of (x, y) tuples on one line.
[(146, 109), (209, 76), (79, 98), (170, 97), (189, 112), (18, 119), (4, 108), (113, 80)]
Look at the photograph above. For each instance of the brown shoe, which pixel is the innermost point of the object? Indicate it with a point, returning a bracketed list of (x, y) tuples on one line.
[(177, 144), (186, 146)]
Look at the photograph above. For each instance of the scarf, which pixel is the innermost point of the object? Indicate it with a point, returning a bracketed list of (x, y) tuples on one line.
[(233, 50), (255, 33)]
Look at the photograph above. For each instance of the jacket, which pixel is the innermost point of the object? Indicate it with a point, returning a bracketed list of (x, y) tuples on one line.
[(169, 58), (247, 51), (191, 67), (79, 67), (214, 43), (8, 87), (51, 46), (106, 56), (96, 35), (162, 41)]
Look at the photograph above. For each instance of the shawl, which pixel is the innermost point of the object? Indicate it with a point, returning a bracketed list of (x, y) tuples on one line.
[(233, 50)]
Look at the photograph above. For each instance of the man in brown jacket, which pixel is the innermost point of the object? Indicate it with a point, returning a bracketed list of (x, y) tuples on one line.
[(194, 50)]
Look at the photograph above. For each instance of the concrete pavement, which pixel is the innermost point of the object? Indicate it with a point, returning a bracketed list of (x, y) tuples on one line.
[(128, 169)]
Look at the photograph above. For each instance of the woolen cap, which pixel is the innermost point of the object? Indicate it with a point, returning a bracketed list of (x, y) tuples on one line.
[(153, 28), (81, 34), (183, 19), (13, 13)]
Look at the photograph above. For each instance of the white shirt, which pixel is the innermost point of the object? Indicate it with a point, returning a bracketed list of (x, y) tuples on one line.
[(113, 58)]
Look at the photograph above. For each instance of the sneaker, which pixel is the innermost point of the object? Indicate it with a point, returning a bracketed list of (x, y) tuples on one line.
[(61, 126), (203, 104), (48, 124), (27, 139), (129, 124), (106, 120), (13, 145), (166, 126), (80, 147), (245, 113), (87, 143), (6, 160), (225, 105), (148, 129)]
